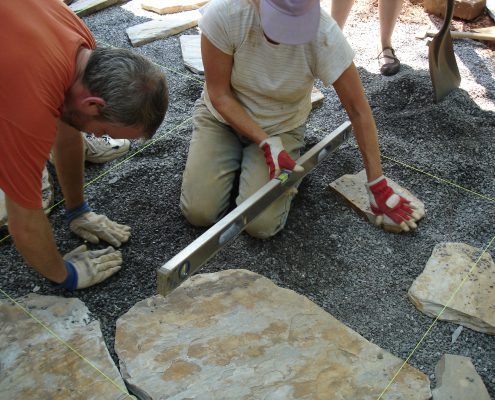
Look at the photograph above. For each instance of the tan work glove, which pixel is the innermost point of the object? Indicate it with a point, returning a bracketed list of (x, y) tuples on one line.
[(93, 227), (88, 267)]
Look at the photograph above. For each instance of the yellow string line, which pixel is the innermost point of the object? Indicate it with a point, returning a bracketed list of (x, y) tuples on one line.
[(436, 319), (446, 181), (150, 143), (51, 332)]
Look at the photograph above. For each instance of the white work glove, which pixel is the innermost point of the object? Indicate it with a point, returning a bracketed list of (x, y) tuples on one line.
[(277, 158), (390, 208), (87, 268), (93, 227)]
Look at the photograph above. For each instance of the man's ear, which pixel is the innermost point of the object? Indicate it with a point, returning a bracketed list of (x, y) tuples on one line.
[(91, 105)]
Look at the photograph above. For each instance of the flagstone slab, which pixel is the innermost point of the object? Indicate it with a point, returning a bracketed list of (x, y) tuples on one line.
[(159, 29), (457, 379), (353, 189), (316, 98), (36, 365), (172, 6), (474, 304), (191, 53), (236, 335), (86, 7)]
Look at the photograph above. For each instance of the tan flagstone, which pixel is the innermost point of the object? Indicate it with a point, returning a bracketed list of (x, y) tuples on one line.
[(353, 189), (37, 365), (236, 335), (191, 53), (86, 7), (159, 29), (474, 303), (171, 6)]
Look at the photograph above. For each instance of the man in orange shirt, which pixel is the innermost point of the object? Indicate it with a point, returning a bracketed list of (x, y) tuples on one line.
[(54, 83)]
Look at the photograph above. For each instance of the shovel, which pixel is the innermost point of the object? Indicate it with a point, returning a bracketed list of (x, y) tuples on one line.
[(444, 73)]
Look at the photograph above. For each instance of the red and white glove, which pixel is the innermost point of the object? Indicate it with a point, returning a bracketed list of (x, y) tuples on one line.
[(390, 208), (277, 158)]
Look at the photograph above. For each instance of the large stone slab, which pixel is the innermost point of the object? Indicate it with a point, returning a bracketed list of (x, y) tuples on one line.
[(86, 7), (474, 304), (236, 335), (457, 379), (353, 189), (159, 29), (36, 365), (172, 6), (465, 9)]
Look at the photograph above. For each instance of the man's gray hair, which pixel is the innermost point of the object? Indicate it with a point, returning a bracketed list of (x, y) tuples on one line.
[(134, 89)]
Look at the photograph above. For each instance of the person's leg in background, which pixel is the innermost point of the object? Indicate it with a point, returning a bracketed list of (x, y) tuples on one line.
[(388, 11), (254, 174), (340, 11), (213, 160)]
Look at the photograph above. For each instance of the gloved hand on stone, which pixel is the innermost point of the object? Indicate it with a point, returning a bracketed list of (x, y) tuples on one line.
[(93, 227), (276, 157), (88, 267), (391, 208)]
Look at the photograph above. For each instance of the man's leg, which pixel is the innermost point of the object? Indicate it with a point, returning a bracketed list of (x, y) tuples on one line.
[(340, 11), (214, 158), (254, 175)]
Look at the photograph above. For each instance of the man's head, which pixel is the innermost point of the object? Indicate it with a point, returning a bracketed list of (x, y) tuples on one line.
[(290, 21), (119, 89)]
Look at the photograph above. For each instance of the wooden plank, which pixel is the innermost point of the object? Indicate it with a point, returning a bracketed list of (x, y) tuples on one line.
[(172, 6), (159, 29), (86, 7)]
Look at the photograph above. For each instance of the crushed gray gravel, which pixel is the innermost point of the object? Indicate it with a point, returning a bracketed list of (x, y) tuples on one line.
[(327, 252)]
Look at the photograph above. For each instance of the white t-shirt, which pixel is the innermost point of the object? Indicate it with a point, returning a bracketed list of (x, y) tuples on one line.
[(273, 81)]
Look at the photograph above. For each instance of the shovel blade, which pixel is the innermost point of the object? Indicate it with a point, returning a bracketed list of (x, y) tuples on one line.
[(444, 73)]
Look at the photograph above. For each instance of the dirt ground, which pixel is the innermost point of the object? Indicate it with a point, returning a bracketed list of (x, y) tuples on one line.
[(443, 153)]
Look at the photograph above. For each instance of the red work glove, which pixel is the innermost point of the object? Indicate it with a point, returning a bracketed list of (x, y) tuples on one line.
[(391, 208), (277, 158)]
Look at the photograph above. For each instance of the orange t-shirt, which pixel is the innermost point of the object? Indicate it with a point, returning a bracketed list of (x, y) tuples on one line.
[(40, 41)]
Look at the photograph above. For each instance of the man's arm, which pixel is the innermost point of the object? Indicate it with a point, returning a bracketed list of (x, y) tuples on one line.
[(34, 239), (69, 161)]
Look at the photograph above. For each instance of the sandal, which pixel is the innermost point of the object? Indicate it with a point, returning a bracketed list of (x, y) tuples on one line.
[(392, 68)]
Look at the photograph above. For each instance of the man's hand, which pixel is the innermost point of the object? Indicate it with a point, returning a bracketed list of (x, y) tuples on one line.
[(277, 157), (390, 208), (87, 268), (93, 227)]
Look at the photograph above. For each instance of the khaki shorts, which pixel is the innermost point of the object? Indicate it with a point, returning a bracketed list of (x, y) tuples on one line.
[(216, 154)]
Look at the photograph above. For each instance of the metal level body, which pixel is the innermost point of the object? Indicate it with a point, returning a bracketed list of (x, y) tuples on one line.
[(190, 260)]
